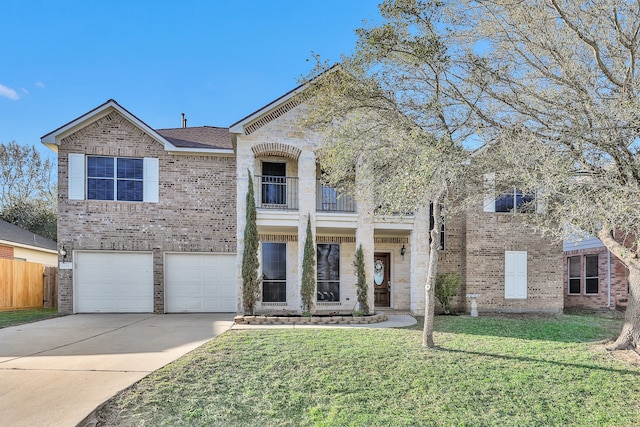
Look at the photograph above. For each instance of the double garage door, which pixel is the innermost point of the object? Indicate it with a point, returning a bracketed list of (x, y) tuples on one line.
[(122, 282)]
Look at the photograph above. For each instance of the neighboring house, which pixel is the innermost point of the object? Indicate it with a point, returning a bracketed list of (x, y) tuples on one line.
[(593, 277), (153, 221), (147, 217), (20, 244)]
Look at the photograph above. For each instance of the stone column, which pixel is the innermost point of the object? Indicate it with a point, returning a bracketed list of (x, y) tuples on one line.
[(364, 228), (244, 162), (306, 209), (419, 259)]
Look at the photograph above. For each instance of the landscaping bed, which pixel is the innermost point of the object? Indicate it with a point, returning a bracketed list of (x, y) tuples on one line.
[(325, 319)]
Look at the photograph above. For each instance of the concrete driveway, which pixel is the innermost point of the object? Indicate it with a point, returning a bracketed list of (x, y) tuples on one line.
[(55, 372)]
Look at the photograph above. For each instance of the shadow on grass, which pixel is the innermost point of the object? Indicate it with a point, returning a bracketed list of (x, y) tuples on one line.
[(558, 328), (634, 374)]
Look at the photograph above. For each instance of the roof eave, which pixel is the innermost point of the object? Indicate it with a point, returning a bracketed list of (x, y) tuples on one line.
[(53, 139)]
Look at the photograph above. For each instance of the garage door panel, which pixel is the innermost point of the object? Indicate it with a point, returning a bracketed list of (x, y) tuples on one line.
[(115, 282), (200, 283)]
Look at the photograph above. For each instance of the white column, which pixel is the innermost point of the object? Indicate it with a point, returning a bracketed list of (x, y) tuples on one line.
[(244, 162), (365, 229), (306, 209), (419, 259)]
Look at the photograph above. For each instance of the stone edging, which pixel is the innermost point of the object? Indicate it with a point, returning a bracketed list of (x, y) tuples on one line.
[(317, 320)]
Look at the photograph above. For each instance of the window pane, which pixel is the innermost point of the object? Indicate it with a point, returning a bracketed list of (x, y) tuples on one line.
[(130, 168), (274, 261), (328, 272), (99, 189), (591, 285), (591, 268), (130, 191), (274, 291), (100, 167), (574, 286), (574, 266), (524, 202), (504, 203)]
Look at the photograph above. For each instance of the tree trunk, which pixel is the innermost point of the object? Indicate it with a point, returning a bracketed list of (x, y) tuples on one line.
[(432, 272), (630, 334)]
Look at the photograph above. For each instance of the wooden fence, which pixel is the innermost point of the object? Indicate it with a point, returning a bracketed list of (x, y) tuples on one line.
[(27, 285)]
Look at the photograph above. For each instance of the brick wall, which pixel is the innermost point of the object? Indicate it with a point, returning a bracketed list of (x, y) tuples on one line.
[(488, 236), (196, 210), (619, 283), (6, 252)]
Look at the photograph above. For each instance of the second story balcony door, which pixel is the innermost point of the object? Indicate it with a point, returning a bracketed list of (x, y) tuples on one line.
[(274, 183)]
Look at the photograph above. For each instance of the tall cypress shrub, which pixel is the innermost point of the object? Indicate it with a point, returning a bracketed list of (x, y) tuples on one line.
[(308, 286), (250, 280), (361, 281)]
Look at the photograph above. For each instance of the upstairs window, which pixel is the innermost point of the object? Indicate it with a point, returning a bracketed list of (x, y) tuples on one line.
[(115, 178), (513, 201)]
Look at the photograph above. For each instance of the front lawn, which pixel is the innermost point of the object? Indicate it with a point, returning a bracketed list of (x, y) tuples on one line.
[(18, 317), (487, 371)]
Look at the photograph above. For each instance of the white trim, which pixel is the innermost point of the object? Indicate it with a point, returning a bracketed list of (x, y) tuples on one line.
[(76, 176), (150, 180), (24, 246), (489, 192)]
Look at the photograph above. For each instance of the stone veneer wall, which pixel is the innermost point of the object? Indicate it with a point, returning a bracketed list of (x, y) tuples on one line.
[(619, 283), (488, 236), (196, 210)]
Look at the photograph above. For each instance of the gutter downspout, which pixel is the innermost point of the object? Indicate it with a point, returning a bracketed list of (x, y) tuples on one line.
[(608, 278)]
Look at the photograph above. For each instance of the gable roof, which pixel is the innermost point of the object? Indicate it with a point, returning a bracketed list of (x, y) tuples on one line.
[(276, 108), (186, 144), (11, 233)]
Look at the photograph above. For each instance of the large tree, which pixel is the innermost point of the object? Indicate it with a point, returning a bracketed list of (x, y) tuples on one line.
[(28, 196), (555, 83), (385, 113), (549, 86)]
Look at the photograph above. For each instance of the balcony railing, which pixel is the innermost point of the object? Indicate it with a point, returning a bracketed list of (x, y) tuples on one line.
[(329, 199), (277, 192)]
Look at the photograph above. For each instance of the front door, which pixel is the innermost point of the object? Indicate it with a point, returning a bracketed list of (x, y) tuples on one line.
[(382, 279)]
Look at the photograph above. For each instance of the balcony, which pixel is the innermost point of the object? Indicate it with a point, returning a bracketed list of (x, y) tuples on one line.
[(277, 192), (329, 199)]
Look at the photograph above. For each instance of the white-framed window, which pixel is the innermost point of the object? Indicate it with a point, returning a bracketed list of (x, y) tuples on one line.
[(328, 272), (515, 274), (515, 201), (274, 272), (113, 178), (583, 274)]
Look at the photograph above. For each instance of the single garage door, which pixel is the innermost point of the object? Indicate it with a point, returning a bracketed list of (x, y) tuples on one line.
[(200, 283), (113, 282)]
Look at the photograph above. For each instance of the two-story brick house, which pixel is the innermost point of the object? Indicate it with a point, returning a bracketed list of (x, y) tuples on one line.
[(153, 221), (146, 217)]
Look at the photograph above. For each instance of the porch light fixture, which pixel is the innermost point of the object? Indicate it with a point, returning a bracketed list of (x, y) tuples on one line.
[(63, 252), (403, 251)]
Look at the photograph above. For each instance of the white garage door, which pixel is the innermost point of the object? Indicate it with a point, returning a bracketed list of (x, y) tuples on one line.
[(113, 282), (200, 283)]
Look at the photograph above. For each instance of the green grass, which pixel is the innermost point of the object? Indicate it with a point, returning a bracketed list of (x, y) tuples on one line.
[(486, 372), (18, 317)]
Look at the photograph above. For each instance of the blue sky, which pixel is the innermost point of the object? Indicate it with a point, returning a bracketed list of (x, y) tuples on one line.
[(217, 61)]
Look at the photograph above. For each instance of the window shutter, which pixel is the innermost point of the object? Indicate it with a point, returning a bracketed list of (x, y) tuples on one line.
[(515, 274), (541, 205), (151, 180), (76, 176), (489, 192)]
